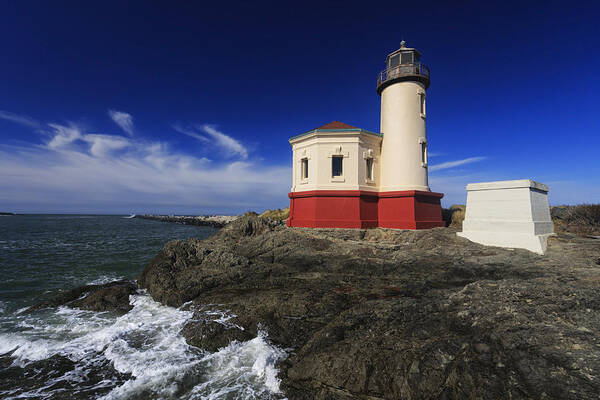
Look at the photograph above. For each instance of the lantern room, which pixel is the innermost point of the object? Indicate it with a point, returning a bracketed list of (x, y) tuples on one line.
[(403, 64), (403, 56)]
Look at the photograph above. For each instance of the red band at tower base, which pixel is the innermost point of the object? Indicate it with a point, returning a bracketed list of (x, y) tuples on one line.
[(409, 209)]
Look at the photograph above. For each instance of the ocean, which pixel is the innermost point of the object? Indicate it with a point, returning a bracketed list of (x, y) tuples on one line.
[(67, 353)]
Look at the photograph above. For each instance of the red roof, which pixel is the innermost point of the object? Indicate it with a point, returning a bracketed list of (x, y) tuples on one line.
[(337, 125)]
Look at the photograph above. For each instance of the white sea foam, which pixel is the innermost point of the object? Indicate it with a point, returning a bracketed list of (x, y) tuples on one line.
[(215, 313), (247, 369), (147, 344), (102, 279)]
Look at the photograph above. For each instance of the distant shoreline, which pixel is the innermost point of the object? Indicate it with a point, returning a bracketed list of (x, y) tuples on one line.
[(215, 221)]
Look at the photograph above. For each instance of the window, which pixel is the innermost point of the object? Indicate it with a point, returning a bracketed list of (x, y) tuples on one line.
[(422, 103), (424, 154), (407, 57), (304, 169), (394, 61), (336, 166), (369, 162)]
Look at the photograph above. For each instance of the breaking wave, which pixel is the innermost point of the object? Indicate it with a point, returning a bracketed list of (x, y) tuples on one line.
[(140, 355)]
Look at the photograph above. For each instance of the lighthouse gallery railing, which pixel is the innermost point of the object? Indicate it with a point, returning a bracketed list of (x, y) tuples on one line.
[(403, 70)]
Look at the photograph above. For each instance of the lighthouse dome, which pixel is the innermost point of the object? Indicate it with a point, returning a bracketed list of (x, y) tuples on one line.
[(403, 64)]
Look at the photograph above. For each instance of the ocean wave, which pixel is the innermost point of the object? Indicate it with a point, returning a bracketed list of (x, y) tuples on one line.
[(145, 348), (102, 279)]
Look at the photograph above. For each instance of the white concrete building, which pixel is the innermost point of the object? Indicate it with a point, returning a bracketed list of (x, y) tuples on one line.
[(508, 214), (336, 156)]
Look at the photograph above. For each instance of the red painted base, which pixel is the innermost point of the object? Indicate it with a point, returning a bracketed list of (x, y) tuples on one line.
[(410, 209)]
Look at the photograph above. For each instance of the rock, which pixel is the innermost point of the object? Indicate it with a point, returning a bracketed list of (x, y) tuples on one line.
[(389, 314), (211, 335), (215, 221), (183, 269), (482, 348), (37, 374), (112, 296)]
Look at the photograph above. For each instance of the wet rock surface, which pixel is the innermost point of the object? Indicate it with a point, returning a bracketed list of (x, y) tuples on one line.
[(384, 314), (94, 384), (112, 296), (211, 335)]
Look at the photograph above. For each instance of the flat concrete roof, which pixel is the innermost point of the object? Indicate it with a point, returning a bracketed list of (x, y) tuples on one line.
[(519, 183)]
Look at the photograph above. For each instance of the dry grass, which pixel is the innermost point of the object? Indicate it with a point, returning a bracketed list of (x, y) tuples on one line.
[(454, 216), (582, 219), (279, 214)]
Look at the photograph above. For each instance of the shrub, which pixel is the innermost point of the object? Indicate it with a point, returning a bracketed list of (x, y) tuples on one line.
[(588, 214), (583, 219), (454, 216), (279, 214)]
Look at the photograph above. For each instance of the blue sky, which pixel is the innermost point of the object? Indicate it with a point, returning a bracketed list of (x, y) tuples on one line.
[(119, 107)]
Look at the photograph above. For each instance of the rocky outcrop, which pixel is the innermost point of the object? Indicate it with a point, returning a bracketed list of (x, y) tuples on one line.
[(36, 374), (215, 221), (279, 214), (212, 335), (112, 296), (387, 314)]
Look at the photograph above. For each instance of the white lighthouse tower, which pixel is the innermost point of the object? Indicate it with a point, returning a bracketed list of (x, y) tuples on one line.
[(402, 88)]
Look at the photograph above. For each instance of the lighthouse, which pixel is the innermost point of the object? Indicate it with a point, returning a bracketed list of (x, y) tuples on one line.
[(348, 177), (402, 87)]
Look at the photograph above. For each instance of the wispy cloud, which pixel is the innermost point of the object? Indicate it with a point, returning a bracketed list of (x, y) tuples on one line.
[(190, 133), (123, 119), (226, 142), (20, 119), (75, 170), (63, 136), (103, 145), (71, 137), (456, 163), (229, 145)]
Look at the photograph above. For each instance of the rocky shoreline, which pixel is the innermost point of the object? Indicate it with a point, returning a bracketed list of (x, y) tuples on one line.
[(215, 221), (388, 314)]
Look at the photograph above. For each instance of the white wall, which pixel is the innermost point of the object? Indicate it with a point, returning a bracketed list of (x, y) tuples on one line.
[(403, 129), (319, 147), (508, 214)]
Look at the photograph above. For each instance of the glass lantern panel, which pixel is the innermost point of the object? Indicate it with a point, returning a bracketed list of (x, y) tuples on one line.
[(407, 57)]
